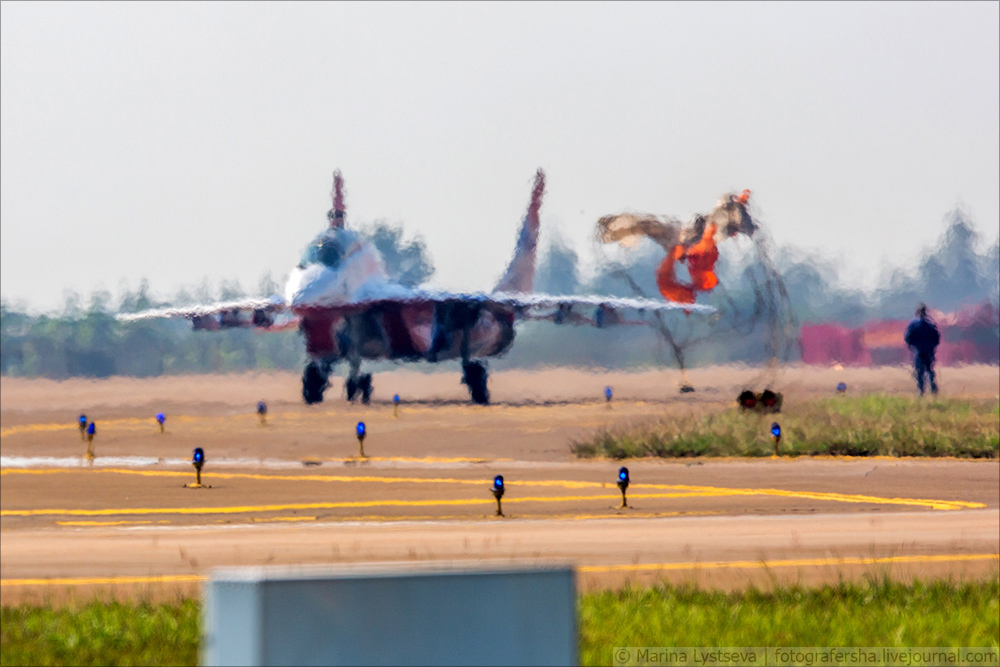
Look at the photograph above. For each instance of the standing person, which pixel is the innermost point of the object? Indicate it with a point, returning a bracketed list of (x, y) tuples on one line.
[(922, 337)]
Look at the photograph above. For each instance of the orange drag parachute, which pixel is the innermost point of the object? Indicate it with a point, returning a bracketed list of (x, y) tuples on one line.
[(696, 243)]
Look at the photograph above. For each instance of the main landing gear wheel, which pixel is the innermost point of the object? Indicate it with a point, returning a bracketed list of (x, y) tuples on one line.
[(313, 384), (474, 375), (361, 385)]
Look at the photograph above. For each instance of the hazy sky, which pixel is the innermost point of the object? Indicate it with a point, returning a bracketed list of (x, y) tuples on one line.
[(176, 141)]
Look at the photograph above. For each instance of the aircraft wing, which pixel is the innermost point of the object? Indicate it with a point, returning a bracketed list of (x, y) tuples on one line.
[(606, 310), (249, 312), (261, 312), (534, 300), (522, 301)]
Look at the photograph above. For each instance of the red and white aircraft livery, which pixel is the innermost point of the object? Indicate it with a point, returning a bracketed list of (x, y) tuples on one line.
[(349, 310)]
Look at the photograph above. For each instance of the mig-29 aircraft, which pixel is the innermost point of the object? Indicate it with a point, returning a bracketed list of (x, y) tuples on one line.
[(348, 309)]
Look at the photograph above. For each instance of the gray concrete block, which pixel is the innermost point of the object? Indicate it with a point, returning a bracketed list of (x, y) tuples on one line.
[(391, 614)]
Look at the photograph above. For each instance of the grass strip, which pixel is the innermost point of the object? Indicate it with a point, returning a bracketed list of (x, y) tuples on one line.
[(874, 612), (873, 425), (101, 633)]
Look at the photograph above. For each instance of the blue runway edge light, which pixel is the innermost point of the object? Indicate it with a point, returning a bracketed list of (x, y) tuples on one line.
[(160, 417), (91, 429), (498, 491), (842, 387), (83, 419), (360, 428), (199, 455), (395, 398), (776, 430), (261, 407), (607, 393), (623, 484)]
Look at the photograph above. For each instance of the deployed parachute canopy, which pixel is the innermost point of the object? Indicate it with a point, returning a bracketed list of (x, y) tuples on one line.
[(696, 244)]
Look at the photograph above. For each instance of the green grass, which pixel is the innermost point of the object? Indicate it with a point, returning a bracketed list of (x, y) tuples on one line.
[(877, 612), (855, 426), (101, 633)]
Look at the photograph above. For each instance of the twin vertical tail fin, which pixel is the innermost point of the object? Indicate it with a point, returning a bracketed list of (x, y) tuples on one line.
[(338, 214), (521, 271)]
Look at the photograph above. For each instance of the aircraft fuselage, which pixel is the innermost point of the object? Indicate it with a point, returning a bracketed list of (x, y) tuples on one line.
[(388, 330)]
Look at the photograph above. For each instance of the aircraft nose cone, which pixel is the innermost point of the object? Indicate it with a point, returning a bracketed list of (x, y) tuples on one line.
[(314, 285)]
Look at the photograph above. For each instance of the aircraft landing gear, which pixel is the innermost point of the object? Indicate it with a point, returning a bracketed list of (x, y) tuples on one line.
[(314, 382), (474, 375), (361, 384), (356, 382)]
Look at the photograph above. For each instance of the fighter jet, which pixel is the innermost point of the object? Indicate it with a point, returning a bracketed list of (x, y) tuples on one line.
[(349, 310)]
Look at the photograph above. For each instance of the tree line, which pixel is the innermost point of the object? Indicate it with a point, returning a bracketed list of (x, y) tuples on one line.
[(85, 340)]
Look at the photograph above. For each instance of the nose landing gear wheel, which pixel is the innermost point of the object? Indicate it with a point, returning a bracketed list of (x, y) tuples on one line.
[(313, 384), (474, 375), (365, 386), (362, 385)]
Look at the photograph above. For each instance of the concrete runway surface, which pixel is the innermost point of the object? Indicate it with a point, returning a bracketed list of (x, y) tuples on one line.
[(295, 492)]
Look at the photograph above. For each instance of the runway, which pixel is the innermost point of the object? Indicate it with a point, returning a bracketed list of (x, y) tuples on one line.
[(802, 521), (295, 492), (719, 551)]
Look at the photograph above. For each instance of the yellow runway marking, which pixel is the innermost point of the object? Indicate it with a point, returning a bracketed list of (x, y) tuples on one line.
[(567, 484), (132, 423), (798, 562), (438, 518), (244, 509), (627, 514), (585, 569), (106, 581), (28, 428), (251, 420), (135, 423), (104, 523), (388, 518), (418, 459), (823, 495)]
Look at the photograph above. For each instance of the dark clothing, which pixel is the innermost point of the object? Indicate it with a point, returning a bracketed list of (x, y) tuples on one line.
[(922, 336), (924, 365)]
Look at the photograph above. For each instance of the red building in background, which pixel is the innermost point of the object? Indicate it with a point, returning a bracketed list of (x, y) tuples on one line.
[(969, 336)]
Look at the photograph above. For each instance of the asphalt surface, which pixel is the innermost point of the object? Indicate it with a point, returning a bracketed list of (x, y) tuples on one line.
[(296, 492)]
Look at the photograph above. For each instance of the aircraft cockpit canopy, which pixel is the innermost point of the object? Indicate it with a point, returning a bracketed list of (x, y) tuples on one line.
[(329, 248)]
